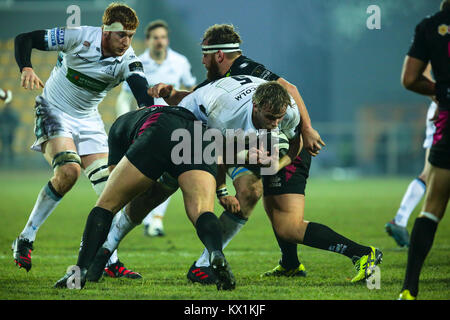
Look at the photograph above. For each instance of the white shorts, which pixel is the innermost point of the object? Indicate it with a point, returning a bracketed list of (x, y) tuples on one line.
[(430, 127), (87, 133)]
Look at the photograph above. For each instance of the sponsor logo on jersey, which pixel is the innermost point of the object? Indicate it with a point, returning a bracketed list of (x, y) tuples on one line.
[(242, 66), (60, 35), (443, 29), (244, 93), (136, 66), (53, 36), (266, 74), (110, 70), (81, 80)]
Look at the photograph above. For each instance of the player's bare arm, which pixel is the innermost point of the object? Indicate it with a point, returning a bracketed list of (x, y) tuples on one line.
[(295, 146), (23, 45), (168, 93), (227, 201), (412, 77), (312, 140)]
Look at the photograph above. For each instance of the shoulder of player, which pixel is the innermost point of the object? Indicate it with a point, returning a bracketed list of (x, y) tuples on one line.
[(244, 62), (86, 33), (130, 56), (432, 20)]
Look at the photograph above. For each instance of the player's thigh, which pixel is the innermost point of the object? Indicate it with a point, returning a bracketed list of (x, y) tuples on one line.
[(52, 147), (88, 159), (124, 184), (199, 190), (438, 191), (286, 213), (61, 154)]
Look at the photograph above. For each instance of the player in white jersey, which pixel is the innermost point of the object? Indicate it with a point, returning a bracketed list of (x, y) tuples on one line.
[(396, 228), (267, 110), (240, 102), (227, 104), (69, 130), (161, 64), (222, 57)]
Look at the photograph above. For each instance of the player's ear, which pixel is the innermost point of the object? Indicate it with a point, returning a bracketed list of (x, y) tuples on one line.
[(220, 56)]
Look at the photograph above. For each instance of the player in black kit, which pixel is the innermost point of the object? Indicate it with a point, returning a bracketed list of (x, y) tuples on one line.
[(431, 44), (223, 57), (140, 152)]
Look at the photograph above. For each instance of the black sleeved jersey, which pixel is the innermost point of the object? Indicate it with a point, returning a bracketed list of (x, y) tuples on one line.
[(246, 66), (432, 44)]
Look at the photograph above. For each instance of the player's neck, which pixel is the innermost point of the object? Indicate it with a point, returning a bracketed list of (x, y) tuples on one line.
[(158, 56), (226, 65)]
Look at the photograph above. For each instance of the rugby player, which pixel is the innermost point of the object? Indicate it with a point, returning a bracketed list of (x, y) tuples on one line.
[(223, 57), (267, 110), (396, 228), (430, 44), (249, 103), (135, 169), (161, 64), (69, 130)]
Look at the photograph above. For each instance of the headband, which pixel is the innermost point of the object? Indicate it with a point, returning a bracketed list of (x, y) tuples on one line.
[(224, 47), (115, 26)]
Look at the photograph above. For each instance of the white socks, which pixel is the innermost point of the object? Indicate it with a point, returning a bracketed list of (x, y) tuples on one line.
[(231, 225), (120, 227), (158, 211), (46, 202), (414, 193)]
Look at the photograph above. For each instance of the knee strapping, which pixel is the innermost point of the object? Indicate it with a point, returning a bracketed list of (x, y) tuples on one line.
[(65, 157), (98, 173)]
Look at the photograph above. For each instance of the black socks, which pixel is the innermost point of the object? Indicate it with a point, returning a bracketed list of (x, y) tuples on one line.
[(319, 236), (289, 258), (95, 232), (209, 230), (422, 237)]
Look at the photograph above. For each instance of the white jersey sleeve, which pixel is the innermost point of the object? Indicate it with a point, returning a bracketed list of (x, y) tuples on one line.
[(132, 65), (63, 39)]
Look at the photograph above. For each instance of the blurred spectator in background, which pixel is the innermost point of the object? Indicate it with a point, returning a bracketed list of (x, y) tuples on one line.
[(9, 121)]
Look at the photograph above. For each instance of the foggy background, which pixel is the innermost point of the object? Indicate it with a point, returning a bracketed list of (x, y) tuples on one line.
[(348, 75)]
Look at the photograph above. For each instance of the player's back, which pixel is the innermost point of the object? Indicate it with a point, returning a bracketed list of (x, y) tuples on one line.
[(436, 30), (225, 103)]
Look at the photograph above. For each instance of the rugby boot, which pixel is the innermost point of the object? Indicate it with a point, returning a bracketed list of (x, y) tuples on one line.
[(222, 270), (400, 234), (202, 275), (406, 295), (22, 253), (118, 270), (365, 265), (280, 271), (68, 281)]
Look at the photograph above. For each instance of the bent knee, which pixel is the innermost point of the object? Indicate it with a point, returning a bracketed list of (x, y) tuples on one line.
[(65, 177), (249, 196)]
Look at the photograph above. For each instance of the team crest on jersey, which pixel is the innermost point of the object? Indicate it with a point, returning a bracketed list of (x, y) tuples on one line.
[(87, 44), (110, 70), (443, 29), (136, 66)]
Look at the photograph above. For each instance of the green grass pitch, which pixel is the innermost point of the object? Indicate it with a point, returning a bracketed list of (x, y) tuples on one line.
[(357, 209)]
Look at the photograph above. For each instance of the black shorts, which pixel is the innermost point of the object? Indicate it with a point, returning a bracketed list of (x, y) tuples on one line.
[(440, 149), (151, 150), (290, 179)]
